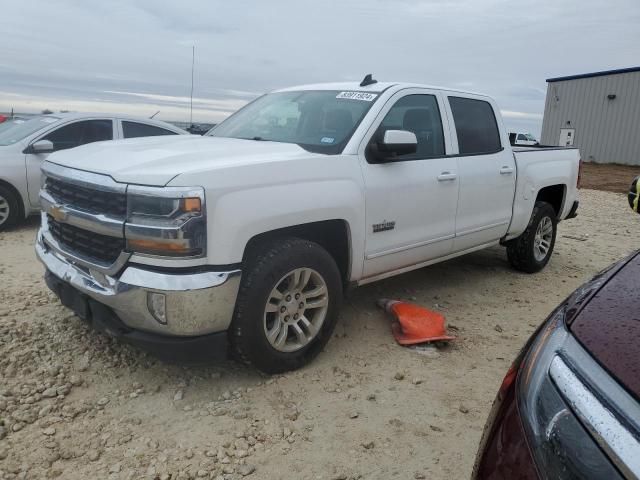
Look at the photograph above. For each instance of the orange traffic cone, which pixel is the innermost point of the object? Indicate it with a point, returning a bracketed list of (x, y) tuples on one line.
[(414, 324)]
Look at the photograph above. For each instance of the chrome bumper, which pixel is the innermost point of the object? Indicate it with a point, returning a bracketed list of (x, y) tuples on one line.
[(196, 303)]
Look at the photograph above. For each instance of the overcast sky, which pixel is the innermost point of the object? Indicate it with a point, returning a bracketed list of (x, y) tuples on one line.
[(134, 56)]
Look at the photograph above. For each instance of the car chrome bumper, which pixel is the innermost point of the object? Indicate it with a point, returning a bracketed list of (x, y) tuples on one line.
[(195, 303)]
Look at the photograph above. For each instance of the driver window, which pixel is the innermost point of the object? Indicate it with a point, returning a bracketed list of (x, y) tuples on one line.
[(80, 133), (418, 114)]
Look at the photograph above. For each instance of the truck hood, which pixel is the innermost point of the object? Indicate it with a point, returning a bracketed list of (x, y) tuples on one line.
[(608, 326), (157, 160)]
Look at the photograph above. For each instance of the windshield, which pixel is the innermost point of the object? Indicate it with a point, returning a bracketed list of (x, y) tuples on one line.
[(319, 121), (16, 130), (530, 137)]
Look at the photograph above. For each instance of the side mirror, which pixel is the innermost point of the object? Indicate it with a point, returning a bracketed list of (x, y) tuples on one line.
[(398, 142), (634, 195), (41, 146), (394, 143)]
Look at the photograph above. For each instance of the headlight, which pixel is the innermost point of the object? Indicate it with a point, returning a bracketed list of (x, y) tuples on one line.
[(168, 222), (558, 440)]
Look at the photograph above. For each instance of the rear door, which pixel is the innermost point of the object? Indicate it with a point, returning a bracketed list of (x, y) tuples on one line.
[(487, 172), (410, 202)]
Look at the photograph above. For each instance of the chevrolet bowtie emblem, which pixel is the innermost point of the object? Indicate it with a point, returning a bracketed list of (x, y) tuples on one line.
[(58, 212)]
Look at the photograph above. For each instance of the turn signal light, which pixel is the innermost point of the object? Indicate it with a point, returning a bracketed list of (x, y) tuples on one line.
[(158, 247), (191, 205)]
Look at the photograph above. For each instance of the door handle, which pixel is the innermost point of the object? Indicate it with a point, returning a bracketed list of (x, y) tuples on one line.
[(506, 170), (447, 177)]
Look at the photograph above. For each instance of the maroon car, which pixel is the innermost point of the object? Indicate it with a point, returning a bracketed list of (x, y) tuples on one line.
[(569, 406)]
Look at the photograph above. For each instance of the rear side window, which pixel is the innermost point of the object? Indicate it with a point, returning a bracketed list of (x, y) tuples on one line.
[(80, 133), (476, 126), (135, 129)]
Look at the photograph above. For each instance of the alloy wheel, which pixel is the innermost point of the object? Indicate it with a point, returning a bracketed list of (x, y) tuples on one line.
[(296, 309), (5, 210), (543, 238)]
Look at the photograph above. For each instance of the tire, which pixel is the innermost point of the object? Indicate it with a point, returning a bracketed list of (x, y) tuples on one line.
[(523, 252), (10, 211), (270, 267)]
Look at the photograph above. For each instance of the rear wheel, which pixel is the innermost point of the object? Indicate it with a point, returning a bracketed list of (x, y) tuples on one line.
[(287, 306), (9, 208), (531, 251)]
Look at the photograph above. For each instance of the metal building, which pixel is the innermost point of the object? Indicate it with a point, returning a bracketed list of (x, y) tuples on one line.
[(598, 112)]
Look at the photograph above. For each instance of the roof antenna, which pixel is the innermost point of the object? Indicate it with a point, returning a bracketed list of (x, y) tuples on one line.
[(368, 80), (193, 61)]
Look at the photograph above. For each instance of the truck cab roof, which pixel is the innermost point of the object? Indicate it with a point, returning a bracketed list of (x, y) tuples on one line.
[(377, 87)]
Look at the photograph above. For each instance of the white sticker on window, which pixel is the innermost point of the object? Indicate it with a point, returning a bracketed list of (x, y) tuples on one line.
[(327, 140), (367, 97)]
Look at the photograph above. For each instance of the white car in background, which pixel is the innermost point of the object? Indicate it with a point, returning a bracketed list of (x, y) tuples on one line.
[(25, 144), (522, 139)]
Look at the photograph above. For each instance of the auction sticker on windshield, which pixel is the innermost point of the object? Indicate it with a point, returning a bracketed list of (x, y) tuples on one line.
[(367, 97)]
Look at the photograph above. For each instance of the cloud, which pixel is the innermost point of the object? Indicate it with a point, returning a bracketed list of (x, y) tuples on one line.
[(77, 53), (521, 115), (168, 111), (227, 105)]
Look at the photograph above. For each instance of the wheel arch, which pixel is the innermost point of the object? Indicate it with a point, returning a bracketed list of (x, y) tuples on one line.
[(16, 192), (554, 195), (332, 235)]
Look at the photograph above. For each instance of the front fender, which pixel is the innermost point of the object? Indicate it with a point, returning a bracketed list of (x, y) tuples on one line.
[(239, 216), (248, 198)]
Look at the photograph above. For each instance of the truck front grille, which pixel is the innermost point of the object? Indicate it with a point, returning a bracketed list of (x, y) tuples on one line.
[(88, 199), (101, 248)]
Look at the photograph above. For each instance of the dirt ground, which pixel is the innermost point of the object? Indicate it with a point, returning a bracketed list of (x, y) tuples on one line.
[(76, 405), (611, 178)]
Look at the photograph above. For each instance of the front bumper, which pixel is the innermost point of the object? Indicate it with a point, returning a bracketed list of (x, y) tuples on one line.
[(197, 304), (194, 350)]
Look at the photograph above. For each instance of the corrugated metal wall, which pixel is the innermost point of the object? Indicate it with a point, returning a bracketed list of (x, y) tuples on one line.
[(606, 131)]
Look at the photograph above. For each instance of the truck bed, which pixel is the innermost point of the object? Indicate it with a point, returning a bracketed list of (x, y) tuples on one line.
[(533, 148), (537, 168)]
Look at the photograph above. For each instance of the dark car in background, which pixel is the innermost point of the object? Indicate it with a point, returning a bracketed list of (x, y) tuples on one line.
[(569, 407)]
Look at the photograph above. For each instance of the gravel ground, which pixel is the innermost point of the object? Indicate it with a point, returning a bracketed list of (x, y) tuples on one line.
[(609, 177), (74, 404)]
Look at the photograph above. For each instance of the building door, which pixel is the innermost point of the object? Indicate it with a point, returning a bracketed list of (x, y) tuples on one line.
[(566, 137)]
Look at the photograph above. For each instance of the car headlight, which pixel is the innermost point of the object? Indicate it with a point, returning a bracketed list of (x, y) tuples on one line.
[(167, 222), (558, 440)]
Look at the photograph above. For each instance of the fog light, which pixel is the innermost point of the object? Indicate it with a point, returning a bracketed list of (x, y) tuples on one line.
[(157, 305)]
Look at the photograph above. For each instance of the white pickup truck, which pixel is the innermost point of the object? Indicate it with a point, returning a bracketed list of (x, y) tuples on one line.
[(249, 235)]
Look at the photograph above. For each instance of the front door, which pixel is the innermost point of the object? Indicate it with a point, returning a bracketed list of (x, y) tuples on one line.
[(411, 201), (67, 136), (487, 173)]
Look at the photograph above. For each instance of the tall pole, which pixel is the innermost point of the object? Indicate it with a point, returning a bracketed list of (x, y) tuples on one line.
[(193, 61)]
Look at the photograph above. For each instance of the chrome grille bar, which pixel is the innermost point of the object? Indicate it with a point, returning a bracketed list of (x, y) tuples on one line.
[(622, 447)]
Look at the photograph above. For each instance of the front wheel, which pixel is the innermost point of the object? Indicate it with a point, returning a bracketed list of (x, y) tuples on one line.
[(531, 251), (287, 306)]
